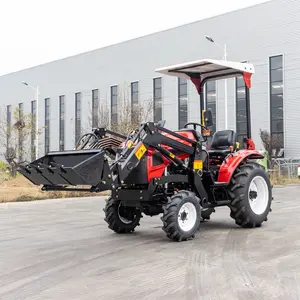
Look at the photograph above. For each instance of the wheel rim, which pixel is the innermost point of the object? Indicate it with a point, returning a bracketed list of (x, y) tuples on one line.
[(187, 216), (122, 218), (258, 195)]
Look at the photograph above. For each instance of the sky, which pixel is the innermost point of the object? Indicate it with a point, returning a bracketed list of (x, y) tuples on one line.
[(34, 32)]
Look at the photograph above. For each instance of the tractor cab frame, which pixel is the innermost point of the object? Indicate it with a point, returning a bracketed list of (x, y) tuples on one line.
[(201, 71)]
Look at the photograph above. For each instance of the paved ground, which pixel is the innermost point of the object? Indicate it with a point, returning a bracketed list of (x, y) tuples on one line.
[(62, 249)]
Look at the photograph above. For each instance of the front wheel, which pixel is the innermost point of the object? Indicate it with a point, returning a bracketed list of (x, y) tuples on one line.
[(181, 216), (121, 219), (251, 194)]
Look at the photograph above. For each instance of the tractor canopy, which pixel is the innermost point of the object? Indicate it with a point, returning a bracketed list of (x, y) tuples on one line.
[(200, 71)]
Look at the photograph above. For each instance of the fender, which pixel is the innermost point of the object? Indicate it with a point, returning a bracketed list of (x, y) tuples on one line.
[(232, 161)]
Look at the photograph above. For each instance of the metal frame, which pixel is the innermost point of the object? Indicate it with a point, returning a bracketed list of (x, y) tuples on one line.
[(190, 69), (235, 98), (54, 175), (216, 98), (248, 109), (220, 70), (247, 96)]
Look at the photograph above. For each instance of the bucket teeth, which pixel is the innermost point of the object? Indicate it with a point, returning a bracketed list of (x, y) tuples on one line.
[(67, 168), (57, 166)]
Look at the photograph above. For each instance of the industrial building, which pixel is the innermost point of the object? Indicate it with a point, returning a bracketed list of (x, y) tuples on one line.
[(266, 35)]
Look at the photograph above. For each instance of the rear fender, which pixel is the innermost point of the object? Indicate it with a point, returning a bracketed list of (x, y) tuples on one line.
[(231, 162)]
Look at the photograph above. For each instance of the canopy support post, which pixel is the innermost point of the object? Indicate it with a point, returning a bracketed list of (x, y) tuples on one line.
[(248, 114)]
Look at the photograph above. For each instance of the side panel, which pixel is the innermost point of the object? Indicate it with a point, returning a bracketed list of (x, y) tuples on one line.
[(232, 162), (156, 163), (139, 174)]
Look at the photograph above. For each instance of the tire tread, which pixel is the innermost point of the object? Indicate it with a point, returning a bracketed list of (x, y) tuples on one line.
[(113, 221), (238, 208), (169, 218)]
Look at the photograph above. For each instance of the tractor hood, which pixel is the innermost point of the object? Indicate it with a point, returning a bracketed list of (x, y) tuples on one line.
[(202, 70)]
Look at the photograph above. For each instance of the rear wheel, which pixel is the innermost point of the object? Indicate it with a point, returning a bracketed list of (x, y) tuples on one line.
[(181, 216), (251, 193), (121, 219)]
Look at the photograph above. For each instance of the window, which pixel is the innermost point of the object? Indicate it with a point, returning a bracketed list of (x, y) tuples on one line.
[(8, 120), (21, 110), (33, 129), (241, 112), (276, 101), (61, 123), (157, 97), (211, 102), (114, 104), (134, 96), (182, 102), (47, 125), (21, 136), (77, 116), (95, 108)]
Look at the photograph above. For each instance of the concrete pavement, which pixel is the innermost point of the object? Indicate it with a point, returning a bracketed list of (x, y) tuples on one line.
[(62, 249)]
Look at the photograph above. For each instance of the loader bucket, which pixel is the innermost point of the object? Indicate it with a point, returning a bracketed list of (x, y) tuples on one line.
[(66, 168)]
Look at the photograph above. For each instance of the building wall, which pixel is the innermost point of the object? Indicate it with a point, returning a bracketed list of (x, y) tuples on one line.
[(251, 34)]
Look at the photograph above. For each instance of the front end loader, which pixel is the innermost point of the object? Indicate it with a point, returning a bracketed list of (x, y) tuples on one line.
[(156, 171)]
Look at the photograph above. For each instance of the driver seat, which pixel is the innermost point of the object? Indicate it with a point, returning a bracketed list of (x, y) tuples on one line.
[(221, 142)]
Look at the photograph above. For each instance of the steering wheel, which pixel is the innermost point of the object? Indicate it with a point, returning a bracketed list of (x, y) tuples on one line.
[(194, 125), (85, 139)]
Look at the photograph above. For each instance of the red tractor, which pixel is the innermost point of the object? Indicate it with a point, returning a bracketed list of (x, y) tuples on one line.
[(154, 170)]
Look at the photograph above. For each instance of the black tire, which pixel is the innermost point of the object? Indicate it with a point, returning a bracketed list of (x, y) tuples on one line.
[(240, 208), (171, 225), (114, 212), (206, 213)]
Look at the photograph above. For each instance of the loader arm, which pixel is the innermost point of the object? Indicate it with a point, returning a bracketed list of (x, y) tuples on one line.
[(150, 136), (91, 167)]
